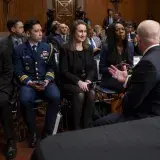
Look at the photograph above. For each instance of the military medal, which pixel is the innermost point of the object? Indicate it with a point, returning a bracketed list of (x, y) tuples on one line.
[(27, 68), (45, 53)]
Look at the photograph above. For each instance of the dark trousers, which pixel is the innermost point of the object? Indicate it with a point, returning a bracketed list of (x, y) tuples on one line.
[(119, 117), (27, 98), (6, 115), (109, 119), (82, 106)]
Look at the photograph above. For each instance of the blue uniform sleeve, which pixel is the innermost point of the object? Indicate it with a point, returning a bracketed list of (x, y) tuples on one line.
[(18, 67), (50, 65)]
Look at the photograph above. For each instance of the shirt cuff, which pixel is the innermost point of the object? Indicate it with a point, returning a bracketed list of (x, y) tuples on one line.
[(28, 82), (125, 84)]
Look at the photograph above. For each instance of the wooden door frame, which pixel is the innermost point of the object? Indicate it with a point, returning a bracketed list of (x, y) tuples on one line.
[(54, 7)]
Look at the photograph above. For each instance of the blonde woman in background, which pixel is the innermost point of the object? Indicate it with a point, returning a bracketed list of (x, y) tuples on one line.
[(100, 32)]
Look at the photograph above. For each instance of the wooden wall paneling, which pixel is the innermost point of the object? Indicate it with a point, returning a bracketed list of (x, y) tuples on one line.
[(136, 10), (13, 8), (33, 10), (23, 10), (154, 9), (96, 10), (1, 16), (80, 3), (64, 11)]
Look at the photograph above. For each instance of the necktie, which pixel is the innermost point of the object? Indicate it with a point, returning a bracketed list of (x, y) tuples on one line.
[(34, 49), (92, 44), (64, 38), (110, 20)]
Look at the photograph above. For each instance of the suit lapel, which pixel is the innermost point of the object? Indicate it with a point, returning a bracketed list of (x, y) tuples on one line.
[(10, 43)]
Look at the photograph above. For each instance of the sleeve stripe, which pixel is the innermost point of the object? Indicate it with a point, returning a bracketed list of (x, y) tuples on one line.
[(22, 78), (51, 74)]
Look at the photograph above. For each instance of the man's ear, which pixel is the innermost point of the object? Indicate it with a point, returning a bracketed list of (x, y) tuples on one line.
[(28, 34), (138, 39), (13, 29)]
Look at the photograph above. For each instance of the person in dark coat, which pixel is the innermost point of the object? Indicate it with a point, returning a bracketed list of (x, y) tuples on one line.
[(16, 36), (142, 97), (116, 52), (6, 91), (77, 69), (34, 68)]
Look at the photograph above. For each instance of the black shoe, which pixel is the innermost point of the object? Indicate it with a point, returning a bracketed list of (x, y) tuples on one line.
[(11, 149), (32, 140)]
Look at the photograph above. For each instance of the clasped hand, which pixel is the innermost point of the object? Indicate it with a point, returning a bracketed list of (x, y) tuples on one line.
[(37, 86), (84, 85)]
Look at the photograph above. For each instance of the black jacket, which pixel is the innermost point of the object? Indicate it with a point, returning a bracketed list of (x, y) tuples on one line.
[(106, 60), (143, 89), (69, 65), (6, 70), (7, 41)]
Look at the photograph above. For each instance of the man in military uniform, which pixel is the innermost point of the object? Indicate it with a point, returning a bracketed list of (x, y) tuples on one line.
[(35, 71)]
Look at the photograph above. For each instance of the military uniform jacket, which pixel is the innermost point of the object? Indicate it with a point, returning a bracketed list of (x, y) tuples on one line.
[(32, 65)]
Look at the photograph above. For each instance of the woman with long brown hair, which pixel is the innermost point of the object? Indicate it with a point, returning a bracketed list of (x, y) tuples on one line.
[(77, 72)]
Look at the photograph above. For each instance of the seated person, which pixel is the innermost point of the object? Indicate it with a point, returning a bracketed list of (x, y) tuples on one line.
[(94, 41), (6, 90), (142, 97), (77, 69), (16, 36), (100, 32), (36, 75), (61, 38), (117, 52), (54, 31)]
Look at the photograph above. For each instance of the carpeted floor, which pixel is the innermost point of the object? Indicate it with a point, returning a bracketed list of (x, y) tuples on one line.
[(23, 152)]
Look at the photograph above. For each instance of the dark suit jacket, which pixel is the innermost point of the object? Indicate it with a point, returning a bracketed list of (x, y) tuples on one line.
[(107, 80), (6, 70), (58, 41), (143, 94), (106, 23), (69, 64), (7, 41)]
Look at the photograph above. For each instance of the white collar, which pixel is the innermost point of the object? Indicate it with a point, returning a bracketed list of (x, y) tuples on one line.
[(147, 49), (31, 44), (63, 35)]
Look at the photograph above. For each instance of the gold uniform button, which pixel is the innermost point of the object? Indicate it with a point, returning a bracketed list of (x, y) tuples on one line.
[(36, 69), (36, 63), (36, 73)]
